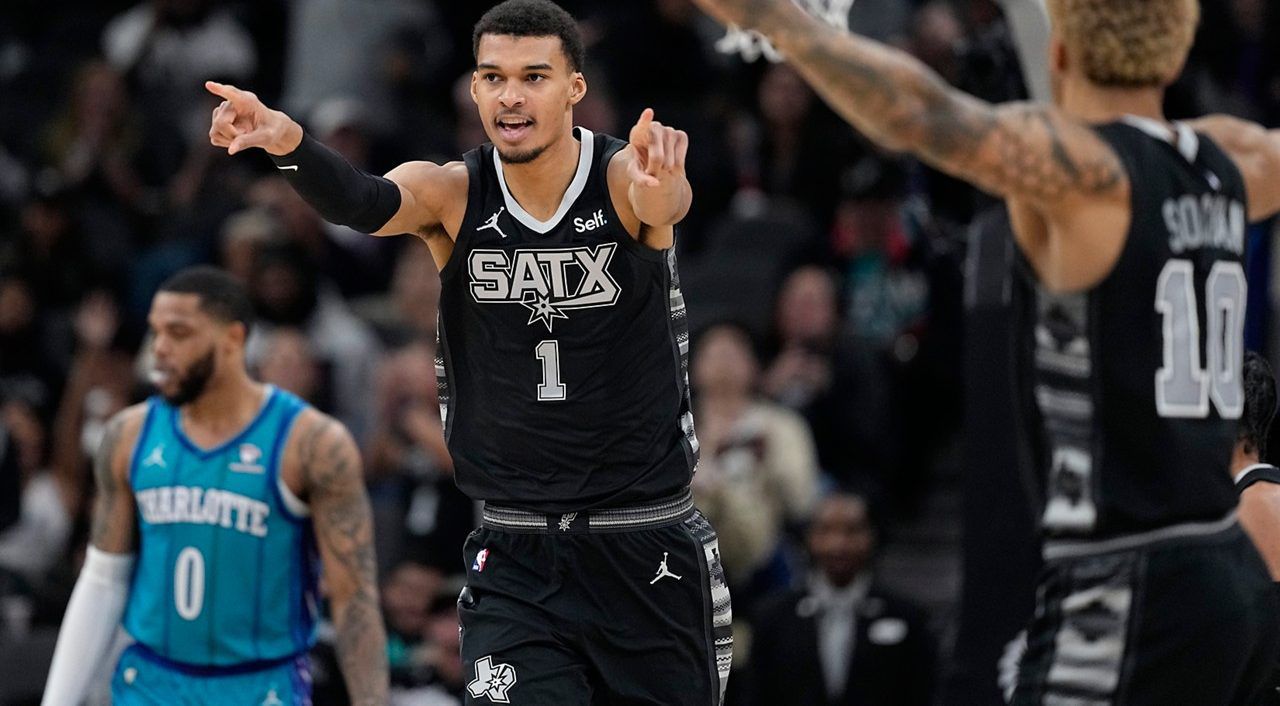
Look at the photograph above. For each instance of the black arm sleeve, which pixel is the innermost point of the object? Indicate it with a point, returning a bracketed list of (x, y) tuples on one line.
[(339, 192)]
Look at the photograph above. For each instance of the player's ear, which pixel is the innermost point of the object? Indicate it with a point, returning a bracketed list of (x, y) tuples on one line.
[(237, 334), (1059, 58), (475, 81), (577, 87)]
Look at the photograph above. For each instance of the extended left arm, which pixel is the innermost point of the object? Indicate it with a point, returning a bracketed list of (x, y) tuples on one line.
[(1031, 153), (1256, 152), (343, 525), (658, 191)]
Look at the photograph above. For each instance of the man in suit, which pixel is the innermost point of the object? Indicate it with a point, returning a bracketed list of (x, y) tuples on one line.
[(841, 640)]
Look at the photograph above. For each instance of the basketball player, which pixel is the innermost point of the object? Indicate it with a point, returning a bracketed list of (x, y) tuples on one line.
[(1258, 482), (1133, 228), (563, 349), (212, 499)]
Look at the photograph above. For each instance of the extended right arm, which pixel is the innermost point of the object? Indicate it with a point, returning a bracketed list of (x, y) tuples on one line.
[(415, 197), (98, 601)]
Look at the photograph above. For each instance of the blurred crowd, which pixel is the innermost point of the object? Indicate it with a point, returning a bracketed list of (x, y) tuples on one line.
[(824, 281)]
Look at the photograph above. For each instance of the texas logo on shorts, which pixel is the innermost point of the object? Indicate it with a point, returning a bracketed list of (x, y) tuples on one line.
[(547, 281)]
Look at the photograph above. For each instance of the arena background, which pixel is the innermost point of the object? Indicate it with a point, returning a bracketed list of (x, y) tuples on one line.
[(873, 292)]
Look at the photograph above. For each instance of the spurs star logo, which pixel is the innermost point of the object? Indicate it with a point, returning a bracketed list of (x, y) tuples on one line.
[(566, 521), (663, 571), (491, 223), (492, 681), (549, 282)]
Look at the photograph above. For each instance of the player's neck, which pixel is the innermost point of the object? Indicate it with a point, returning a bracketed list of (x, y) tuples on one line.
[(540, 185), (1097, 104), (226, 406)]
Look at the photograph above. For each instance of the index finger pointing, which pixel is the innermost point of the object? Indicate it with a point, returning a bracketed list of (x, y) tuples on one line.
[(640, 133), (230, 93)]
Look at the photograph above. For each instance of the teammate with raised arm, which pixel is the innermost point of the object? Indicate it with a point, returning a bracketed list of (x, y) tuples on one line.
[(212, 498), (1133, 228), (562, 357)]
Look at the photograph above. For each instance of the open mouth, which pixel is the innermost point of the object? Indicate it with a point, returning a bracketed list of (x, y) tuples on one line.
[(513, 127)]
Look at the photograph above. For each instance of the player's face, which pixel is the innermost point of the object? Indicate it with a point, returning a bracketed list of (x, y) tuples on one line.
[(525, 92), (185, 346), (841, 538)]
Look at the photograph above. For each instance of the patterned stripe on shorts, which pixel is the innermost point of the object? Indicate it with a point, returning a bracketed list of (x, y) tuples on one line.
[(721, 604)]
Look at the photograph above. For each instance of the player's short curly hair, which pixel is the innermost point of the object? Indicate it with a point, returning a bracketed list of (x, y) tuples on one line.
[(1128, 43), (532, 18)]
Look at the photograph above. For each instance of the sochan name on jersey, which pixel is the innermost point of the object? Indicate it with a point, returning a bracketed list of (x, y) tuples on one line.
[(1205, 221), (547, 281), (203, 506)]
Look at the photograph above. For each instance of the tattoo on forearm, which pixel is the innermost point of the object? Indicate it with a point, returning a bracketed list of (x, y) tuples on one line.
[(344, 526), (104, 533), (1024, 150)]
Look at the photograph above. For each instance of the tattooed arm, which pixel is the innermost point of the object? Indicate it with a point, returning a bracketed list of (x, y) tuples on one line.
[(1020, 151), (99, 598), (343, 522)]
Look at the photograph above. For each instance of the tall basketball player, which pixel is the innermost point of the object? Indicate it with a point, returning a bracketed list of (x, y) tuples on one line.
[(564, 391), (1133, 229), (213, 498)]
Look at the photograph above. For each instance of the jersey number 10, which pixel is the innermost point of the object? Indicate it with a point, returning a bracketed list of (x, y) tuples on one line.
[(1183, 388)]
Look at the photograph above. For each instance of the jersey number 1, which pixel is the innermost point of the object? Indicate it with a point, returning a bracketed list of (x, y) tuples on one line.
[(1183, 388), (550, 389)]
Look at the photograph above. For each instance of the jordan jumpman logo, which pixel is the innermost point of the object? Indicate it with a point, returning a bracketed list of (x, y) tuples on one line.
[(663, 571)]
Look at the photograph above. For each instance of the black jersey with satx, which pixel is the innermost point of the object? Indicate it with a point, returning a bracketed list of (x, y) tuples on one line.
[(563, 348), (1136, 382)]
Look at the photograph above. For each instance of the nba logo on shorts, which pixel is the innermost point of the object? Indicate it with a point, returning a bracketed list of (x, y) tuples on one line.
[(481, 557)]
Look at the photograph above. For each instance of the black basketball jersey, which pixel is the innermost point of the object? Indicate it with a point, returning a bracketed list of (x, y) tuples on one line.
[(563, 345), (1137, 382)]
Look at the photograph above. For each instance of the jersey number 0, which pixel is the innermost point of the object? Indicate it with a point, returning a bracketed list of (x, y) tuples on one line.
[(1183, 388)]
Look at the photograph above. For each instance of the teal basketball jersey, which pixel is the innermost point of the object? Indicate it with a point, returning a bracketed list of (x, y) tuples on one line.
[(227, 565)]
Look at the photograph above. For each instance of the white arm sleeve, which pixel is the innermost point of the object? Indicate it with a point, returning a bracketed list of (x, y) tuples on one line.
[(88, 626), (1029, 20)]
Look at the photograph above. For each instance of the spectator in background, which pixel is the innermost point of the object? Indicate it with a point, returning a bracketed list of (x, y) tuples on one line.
[(243, 237), (99, 383), (356, 263), (288, 363), (837, 384), (757, 471), (37, 542), (168, 48), (418, 510), (791, 147), (886, 291), (94, 146), (841, 640), (408, 311), (49, 251), (27, 367), (388, 53), (287, 290), (407, 593)]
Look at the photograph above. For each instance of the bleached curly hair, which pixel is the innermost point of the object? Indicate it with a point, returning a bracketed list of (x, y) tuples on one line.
[(1129, 43)]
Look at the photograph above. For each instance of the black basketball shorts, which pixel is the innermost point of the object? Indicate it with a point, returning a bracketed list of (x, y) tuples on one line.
[(625, 607), (1182, 615)]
